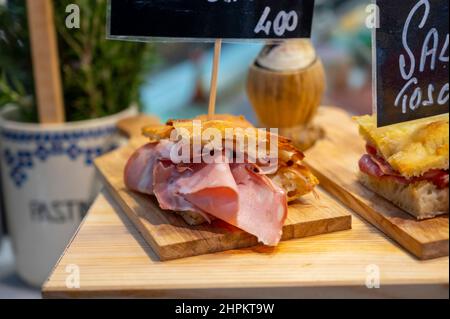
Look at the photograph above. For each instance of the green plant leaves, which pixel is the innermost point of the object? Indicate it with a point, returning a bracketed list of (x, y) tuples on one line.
[(100, 77)]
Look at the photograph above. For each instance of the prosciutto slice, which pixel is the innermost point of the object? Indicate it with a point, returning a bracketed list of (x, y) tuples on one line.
[(374, 165), (237, 194), (263, 205), (206, 188), (138, 175)]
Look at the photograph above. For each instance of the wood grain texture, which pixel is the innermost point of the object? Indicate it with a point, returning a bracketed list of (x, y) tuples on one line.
[(335, 161), (114, 260), (171, 238), (44, 47)]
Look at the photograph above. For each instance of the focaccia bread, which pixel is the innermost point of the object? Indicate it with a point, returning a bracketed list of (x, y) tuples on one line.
[(422, 199), (408, 164), (252, 176), (291, 175), (411, 148)]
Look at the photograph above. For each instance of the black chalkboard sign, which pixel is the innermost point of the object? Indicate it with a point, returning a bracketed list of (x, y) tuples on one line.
[(412, 55), (211, 19)]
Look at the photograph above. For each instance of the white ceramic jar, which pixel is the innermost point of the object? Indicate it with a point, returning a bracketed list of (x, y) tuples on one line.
[(49, 181)]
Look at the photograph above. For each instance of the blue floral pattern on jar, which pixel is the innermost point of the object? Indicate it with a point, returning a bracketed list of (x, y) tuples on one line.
[(48, 144)]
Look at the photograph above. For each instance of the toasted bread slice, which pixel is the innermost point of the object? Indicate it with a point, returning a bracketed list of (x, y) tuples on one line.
[(423, 200), (296, 179), (411, 148)]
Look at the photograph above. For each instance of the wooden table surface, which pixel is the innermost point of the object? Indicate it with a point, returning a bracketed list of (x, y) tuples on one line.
[(109, 258)]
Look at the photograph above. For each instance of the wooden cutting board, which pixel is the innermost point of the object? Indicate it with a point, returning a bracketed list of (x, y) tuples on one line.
[(108, 258), (335, 161), (170, 236)]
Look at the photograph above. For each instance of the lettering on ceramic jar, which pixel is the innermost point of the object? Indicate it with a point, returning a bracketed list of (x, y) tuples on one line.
[(57, 212)]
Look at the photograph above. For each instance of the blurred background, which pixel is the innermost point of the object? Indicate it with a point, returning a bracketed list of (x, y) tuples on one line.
[(102, 78)]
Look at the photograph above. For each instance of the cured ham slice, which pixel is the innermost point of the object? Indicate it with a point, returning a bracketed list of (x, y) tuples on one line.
[(375, 166), (370, 167), (138, 174), (382, 164), (263, 205), (206, 188), (439, 177), (237, 194)]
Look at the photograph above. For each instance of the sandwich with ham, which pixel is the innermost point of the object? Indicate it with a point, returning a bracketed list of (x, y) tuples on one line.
[(408, 164), (251, 194)]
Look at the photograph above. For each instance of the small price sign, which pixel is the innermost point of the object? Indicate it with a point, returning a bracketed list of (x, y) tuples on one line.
[(211, 19), (412, 55)]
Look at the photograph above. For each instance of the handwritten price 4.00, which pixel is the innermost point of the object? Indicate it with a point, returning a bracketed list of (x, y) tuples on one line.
[(284, 21)]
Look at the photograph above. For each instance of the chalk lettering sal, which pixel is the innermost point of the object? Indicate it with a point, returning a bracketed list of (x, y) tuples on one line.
[(434, 52)]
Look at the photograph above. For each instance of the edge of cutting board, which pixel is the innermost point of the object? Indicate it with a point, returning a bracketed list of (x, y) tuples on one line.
[(426, 239)]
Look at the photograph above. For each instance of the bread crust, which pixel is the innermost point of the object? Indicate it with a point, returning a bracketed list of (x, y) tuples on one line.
[(295, 178), (411, 148), (422, 200)]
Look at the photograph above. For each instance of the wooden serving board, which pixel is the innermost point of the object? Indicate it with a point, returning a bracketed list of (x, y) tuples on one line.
[(170, 236), (334, 160), (115, 261)]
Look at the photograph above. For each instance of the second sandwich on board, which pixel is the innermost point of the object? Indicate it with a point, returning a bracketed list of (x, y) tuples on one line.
[(408, 164)]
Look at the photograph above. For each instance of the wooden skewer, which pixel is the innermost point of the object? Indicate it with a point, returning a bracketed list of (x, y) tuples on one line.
[(47, 76), (214, 76)]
